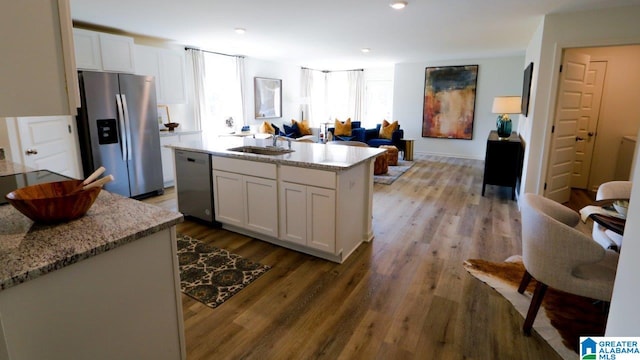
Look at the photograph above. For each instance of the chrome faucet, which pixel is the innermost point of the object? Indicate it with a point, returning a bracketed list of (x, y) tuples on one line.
[(276, 137)]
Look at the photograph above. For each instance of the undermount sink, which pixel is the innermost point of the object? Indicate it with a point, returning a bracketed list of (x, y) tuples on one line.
[(261, 150)]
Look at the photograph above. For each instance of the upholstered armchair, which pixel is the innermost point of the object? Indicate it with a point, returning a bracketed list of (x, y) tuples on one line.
[(373, 139), (559, 256), (610, 190), (357, 133)]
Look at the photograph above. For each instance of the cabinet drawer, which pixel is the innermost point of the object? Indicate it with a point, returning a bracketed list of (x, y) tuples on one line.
[(319, 178), (246, 167)]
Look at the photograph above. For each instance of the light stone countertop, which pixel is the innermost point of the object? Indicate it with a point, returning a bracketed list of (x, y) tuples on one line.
[(29, 250), (309, 155), (165, 133), (8, 168)]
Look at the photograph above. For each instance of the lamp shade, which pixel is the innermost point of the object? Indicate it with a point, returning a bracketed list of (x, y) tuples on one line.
[(506, 105)]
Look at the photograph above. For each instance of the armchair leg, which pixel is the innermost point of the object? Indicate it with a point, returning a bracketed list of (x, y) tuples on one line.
[(536, 301), (526, 279)]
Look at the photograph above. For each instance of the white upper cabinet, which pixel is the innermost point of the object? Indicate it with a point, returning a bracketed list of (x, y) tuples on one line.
[(104, 52), (168, 67), (118, 53), (87, 45), (37, 66)]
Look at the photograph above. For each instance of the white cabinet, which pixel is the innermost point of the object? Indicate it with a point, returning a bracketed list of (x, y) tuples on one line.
[(38, 68), (168, 67), (243, 199), (168, 172), (87, 44), (117, 53), (308, 213), (104, 52)]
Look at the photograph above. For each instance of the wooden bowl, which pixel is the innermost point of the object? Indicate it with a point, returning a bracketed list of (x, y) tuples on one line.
[(171, 125), (53, 202)]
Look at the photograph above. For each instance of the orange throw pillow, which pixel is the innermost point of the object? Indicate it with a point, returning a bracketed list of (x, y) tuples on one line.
[(342, 129), (303, 126), (386, 130), (266, 128)]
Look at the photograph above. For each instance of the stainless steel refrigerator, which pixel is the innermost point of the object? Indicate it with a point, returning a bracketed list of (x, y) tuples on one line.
[(118, 129)]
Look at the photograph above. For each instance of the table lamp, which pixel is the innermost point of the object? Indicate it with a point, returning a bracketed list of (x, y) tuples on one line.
[(503, 106)]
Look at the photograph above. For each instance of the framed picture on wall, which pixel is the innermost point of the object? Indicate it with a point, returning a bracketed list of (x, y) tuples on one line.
[(449, 101), (268, 98), (526, 89)]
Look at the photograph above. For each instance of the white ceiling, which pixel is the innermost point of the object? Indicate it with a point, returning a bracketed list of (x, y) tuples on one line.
[(328, 34)]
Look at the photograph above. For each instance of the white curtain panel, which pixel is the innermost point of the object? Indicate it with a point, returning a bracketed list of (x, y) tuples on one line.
[(240, 75), (306, 92), (196, 59), (356, 93)]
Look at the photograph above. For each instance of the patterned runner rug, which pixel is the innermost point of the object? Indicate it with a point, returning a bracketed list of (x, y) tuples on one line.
[(563, 317), (211, 275)]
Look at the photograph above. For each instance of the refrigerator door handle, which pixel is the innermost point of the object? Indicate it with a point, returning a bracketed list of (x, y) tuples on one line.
[(127, 123), (123, 130)]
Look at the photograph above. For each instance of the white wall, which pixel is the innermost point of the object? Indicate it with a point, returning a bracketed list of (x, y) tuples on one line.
[(615, 26), (290, 76), (496, 77)]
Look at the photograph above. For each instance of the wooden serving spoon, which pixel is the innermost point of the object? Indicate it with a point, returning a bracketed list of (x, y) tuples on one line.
[(100, 182), (93, 176)]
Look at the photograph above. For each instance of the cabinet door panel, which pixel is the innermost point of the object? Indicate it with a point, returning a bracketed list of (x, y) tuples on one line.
[(117, 53), (87, 45), (261, 205), (293, 213), (167, 159), (227, 191), (321, 219)]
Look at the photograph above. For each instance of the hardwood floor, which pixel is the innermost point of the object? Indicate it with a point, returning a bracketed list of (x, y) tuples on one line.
[(404, 295)]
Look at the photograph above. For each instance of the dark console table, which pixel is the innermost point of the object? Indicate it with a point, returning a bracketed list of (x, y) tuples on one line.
[(503, 162)]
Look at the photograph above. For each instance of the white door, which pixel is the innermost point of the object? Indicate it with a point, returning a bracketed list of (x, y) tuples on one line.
[(588, 123), (49, 143), (568, 112)]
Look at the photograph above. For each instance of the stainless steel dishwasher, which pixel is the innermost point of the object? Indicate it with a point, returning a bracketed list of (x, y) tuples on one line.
[(194, 185)]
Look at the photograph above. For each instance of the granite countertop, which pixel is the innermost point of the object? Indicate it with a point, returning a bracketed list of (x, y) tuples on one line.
[(8, 168), (310, 155), (29, 250)]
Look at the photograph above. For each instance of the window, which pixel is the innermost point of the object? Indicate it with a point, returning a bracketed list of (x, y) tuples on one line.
[(222, 95)]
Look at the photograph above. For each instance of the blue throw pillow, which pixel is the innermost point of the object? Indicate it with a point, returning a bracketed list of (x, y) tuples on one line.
[(292, 131), (277, 129)]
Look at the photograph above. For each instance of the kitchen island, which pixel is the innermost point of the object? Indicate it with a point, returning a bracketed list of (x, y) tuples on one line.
[(104, 286), (316, 198)]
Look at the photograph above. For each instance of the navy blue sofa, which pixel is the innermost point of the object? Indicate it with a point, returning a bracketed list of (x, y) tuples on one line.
[(357, 133), (371, 137)]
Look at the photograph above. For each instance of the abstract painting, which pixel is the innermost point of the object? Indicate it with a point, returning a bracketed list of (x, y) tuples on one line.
[(449, 101)]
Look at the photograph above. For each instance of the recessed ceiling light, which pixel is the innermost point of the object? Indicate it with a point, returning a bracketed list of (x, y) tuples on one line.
[(365, 50), (398, 5), (240, 31)]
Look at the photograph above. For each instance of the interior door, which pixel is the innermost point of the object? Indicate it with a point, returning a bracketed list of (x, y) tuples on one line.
[(568, 113), (49, 143), (588, 123)]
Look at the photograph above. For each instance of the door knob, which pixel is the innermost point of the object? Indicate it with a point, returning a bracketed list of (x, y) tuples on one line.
[(578, 138), (591, 134), (31, 152)]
